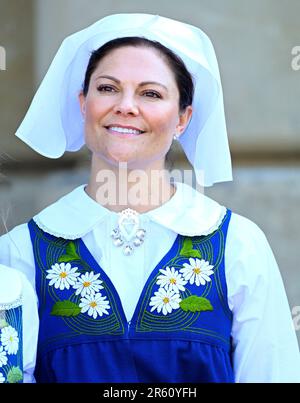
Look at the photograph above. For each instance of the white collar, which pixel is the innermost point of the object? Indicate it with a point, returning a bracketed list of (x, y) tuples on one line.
[(188, 212)]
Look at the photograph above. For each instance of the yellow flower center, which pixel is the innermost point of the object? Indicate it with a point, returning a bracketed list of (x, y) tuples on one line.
[(63, 274), (166, 300), (196, 270), (11, 338), (173, 280), (86, 284), (93, 304)]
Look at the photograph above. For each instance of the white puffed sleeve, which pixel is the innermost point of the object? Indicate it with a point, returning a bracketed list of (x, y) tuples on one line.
[(265, 347)]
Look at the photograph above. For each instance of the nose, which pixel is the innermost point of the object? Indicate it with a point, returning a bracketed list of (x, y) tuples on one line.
[(126, 105)]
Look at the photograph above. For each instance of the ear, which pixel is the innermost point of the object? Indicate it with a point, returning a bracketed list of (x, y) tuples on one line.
[(81, 98), (184, 119)]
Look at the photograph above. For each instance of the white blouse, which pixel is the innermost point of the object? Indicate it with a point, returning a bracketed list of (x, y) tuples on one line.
[(265, 347)]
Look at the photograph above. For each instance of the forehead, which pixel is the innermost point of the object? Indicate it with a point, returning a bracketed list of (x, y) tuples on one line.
[(145, 62)]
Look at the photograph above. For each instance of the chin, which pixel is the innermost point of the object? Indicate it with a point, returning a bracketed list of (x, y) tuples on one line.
[(116, 159)]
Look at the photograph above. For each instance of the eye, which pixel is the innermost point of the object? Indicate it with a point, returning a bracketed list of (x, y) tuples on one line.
[(105, 88), (152, 94)]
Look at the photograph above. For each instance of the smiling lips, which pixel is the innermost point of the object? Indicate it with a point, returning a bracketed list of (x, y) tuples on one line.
[(127, 131)]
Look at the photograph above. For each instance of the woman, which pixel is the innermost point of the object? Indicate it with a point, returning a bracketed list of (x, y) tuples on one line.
[(140, 279), (17, 309)]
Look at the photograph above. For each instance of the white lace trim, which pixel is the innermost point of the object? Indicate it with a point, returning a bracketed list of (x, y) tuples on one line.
[(43, 227), (211, 229), (11, 305), (218, 223)]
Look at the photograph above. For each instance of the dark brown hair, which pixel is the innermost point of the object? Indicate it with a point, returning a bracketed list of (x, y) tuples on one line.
[(182, 76)]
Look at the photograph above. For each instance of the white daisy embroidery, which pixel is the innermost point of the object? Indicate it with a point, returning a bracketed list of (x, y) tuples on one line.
[(2, 379), (171, 280), (62, 275), (198, 271), (94, 305), (3, 357), (88, 284), (10, 340), (165, 301)]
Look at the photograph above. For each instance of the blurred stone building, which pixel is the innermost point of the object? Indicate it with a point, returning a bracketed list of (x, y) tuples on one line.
[(256, 44)]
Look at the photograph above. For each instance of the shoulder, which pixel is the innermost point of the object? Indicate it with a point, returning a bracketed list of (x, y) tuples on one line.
[(250, 261), (13, 241), (244, 231), (16, 251)]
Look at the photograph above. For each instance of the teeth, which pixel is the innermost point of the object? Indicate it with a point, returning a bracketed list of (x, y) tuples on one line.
[(123, 130)]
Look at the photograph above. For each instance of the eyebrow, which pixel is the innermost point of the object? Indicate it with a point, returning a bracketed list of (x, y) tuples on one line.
[(141, 84)]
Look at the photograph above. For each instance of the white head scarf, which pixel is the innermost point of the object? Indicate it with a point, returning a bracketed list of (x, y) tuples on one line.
[(53, 123)]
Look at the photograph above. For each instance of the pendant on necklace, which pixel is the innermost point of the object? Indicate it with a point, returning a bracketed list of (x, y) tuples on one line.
[(127, 233)]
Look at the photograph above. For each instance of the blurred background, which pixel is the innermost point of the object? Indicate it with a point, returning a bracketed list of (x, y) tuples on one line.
[(256, 43)]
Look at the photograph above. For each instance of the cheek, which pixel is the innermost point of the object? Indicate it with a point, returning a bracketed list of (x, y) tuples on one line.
[(96, 108), (93, 110), (164, 125)]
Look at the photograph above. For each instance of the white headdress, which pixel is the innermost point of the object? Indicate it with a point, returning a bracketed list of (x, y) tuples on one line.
[(53, 123)]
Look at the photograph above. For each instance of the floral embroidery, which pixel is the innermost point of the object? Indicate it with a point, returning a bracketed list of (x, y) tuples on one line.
[(171, 280), (165, 301), (198, 271), (88, 284), (94, 305), (10, 340), (62, 275)]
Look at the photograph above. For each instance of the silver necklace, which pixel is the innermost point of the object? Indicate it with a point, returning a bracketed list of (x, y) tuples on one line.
[(128, 234)]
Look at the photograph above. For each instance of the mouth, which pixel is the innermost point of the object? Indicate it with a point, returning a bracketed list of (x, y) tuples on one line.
[(124, 131)]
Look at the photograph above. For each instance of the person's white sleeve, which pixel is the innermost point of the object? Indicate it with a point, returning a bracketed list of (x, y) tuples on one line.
[(16, 251), (265, 347)]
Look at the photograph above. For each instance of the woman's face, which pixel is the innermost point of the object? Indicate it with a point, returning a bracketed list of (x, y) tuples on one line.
[(131, 109)]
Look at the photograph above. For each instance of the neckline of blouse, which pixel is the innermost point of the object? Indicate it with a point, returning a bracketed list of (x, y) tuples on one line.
[(188, 212)]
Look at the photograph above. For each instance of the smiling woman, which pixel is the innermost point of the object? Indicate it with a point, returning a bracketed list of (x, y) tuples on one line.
[(183, 291)]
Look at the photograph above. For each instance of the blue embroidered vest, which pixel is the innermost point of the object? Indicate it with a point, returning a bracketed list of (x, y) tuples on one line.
[(180, 330)]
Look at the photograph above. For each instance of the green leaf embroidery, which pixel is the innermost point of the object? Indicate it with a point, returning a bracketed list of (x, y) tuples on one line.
[(65, 308), (187, 249), (70, 255), (193, 303), (14, 375), (71, 249), (66, 259)]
